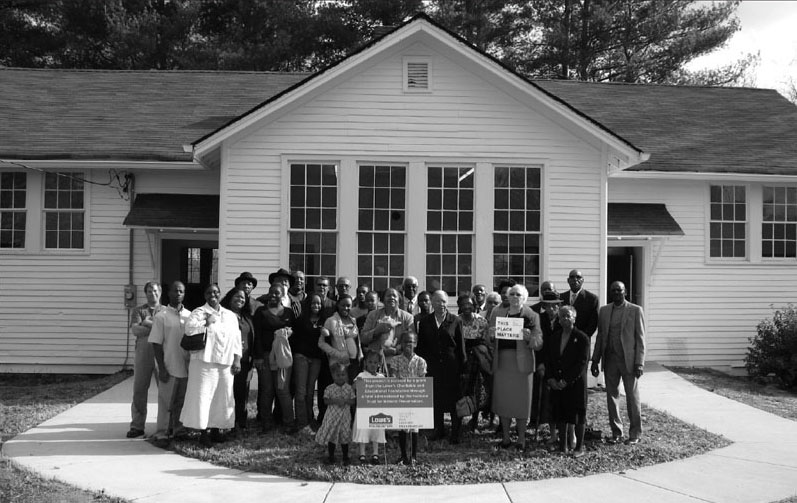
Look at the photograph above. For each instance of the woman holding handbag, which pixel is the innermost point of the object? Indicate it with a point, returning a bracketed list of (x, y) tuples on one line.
[(209, 402)]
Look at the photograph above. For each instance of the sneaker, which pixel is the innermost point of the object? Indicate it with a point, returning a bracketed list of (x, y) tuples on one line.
[(135, 433)]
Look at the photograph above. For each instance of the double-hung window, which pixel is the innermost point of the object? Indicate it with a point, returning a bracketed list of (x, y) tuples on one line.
[(64, 211), (313, 218), (517, 223), (728, 222), (13, 209), (381, 225), (449, 225), (779, 222)]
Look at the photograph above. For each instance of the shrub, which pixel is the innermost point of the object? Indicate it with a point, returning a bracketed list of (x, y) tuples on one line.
[(774, 349)]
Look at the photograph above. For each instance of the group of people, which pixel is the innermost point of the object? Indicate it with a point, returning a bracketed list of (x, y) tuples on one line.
[(300, 340)]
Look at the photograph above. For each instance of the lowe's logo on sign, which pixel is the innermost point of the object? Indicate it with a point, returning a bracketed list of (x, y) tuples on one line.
[(380, 420)]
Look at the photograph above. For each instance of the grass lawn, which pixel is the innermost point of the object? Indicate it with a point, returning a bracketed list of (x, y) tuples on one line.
[(765, 396), (476, 460), (29, 399)]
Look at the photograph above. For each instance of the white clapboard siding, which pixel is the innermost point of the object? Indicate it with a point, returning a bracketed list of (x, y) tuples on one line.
[(698, 312), (64, 312), (368, 118)]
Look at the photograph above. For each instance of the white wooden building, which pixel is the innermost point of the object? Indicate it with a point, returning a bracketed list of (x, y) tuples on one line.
[(417, 155)]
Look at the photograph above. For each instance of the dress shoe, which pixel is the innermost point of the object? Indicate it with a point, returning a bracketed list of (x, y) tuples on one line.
[(135, 433), (632, 441)]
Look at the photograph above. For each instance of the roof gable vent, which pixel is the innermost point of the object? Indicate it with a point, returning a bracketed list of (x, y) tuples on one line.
[(417, 75)]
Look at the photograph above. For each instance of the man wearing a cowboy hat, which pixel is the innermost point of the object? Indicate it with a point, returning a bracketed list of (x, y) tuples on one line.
[(246, 282)]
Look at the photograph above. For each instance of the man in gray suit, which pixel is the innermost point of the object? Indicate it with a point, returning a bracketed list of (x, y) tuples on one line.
[(621, 347)]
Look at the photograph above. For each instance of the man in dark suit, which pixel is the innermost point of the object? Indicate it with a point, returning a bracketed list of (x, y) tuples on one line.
[(584, 301), (621, 347)]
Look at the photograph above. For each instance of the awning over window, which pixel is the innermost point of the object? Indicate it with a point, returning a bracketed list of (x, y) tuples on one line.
[(641, 220), (174, 211)]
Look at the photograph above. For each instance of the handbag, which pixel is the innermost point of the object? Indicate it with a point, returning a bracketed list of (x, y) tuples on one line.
[(466, 406), (194, 342)]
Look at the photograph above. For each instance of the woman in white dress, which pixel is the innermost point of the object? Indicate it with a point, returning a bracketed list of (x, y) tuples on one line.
[(209, 402)]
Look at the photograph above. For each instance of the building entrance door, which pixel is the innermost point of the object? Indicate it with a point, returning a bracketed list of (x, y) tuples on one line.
[(625, 263), (194, 262)]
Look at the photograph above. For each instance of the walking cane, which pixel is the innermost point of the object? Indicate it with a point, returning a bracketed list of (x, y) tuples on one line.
[(539, 406)]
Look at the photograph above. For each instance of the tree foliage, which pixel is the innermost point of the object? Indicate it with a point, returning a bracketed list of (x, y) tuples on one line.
[(599, 40), (622, 40)]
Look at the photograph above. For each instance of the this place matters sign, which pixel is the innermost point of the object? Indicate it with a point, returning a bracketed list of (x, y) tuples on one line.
[(395, 404), (509, 328)]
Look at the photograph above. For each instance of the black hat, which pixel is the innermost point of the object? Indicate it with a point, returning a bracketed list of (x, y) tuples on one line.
[(281, 272), (246, 276), (551, 298)]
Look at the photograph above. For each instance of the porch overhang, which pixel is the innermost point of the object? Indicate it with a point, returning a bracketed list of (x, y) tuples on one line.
[(193, 212), (641, 221)]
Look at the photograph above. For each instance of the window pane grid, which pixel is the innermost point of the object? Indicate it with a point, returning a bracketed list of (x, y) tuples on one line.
[(449, 262), (728, 222), (517, 257), (314, 253), (313, 218), (381, 225), (13, 190), (779, 227), (516, 219), (517, 199), (64, 211), (380, 259), (313, 196)]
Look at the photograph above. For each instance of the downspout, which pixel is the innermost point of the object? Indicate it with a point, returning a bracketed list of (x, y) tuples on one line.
[(131, 187)]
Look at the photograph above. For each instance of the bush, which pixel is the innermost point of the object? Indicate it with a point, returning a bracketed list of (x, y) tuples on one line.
[(774, 349)]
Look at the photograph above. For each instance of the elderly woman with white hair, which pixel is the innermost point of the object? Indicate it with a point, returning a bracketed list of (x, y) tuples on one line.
[(514, 365), (442, 345)]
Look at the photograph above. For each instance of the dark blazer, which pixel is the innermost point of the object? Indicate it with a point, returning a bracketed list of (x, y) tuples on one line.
[(586, 306), (632, 334), (571, 364), (444, 351)]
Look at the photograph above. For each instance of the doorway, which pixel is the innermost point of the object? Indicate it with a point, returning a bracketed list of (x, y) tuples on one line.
[(626, 264), (194, 262)]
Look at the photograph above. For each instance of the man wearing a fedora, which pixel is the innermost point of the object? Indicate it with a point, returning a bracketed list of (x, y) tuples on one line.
[(246, 282)]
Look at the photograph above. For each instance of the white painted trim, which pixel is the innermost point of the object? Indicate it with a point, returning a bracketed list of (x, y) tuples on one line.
[(415, 221), (720, 177), (603, 260), (484, 207), (109, 164), (348, 195), (162, 230), (421, 26), (189, 234), (224, 166), (50, 368)]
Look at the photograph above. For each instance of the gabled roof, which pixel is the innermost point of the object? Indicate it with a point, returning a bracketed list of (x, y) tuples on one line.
[(122, 115), (693, 129)]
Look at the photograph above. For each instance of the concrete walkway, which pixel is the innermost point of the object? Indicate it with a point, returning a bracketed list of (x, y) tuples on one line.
[(86, 447)]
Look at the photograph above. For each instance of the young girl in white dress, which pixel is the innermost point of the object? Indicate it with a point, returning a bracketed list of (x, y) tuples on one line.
[(336, 428), (364, 436)]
